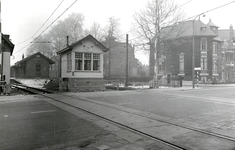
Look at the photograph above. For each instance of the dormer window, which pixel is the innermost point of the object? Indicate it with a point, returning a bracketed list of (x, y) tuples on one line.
[(203, 28)]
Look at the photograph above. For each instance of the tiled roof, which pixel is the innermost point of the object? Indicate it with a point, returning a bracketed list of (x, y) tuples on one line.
[(31, 56), (89, 37), (217, 39), (210, 24), (6, 38), (225, 34), (185, 29)]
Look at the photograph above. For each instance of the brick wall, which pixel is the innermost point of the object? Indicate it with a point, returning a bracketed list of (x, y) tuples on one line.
[(117, 54)]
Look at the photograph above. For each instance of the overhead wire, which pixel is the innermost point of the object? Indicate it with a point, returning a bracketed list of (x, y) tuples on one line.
[(42, 24), (134, 28), (57, 18), (49, 25), (209, 10)]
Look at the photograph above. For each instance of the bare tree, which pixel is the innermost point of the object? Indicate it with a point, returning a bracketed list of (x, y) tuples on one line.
[(112, 29), (155, 22), (56, 38), (157, 15), (96, 31)]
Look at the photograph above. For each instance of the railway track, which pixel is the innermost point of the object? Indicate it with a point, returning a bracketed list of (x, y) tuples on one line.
[(30, 90), (168, 143)]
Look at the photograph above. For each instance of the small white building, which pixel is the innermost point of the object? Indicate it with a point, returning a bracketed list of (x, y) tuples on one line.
[(6, 51), (81, 65)]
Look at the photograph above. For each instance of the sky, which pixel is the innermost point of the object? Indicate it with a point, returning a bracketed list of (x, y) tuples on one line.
[(21, 19)]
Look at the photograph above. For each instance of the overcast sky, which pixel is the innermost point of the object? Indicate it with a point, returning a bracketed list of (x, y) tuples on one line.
[(22, 18)]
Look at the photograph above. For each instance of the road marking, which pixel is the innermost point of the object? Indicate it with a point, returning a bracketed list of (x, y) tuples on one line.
[(5, 115), (45, 111)]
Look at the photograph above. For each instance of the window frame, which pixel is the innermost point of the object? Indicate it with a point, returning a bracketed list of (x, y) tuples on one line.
[(203, 44), (69, 61), (215, 48), (88, 58)]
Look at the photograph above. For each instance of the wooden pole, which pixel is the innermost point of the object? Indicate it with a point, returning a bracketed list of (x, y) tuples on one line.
[(1, 50), (127, 60)]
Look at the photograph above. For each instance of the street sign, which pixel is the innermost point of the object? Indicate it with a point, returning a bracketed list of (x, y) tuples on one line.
[(197, 68)]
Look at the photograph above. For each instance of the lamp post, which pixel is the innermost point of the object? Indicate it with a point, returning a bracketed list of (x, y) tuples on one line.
[(193, 55)]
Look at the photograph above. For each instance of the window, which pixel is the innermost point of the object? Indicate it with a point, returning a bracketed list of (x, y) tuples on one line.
[(87, 61), (96, 61), (228, 57), (215, 67), (215, 50), (204, 63), (181, 65), (78, 61), (203, 44), (69, 62)]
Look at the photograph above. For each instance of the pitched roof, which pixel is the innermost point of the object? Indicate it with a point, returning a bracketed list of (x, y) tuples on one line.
[(224, 34), (210, 24), (7, 42), (31, 56), (185, 29), (89, 37)]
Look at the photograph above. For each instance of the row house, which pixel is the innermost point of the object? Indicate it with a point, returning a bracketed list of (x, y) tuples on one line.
[(175, 51), (228, 57)]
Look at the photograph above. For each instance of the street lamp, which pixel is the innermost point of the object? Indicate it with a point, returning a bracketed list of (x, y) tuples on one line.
[(193, 56)]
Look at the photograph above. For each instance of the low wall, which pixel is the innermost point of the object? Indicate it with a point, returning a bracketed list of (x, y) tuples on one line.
[(82, 84)]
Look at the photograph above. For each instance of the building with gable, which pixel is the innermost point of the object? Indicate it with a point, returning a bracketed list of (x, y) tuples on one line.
[(175, 51), (228, 56), (81, 65)]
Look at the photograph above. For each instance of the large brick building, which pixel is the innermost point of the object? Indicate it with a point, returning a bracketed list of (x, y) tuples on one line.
[(115, 59), (175, 53)]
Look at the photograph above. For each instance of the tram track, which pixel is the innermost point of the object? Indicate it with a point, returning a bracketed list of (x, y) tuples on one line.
[(175, 146)]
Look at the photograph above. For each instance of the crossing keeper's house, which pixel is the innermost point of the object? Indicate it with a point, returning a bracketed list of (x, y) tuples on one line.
[(81, 65)]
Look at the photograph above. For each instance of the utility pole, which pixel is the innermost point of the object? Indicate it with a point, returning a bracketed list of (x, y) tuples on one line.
[(1, 50), (127, 60), (109, 45)]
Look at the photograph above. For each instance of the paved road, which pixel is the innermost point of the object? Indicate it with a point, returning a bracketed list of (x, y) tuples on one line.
[(31, 124), (174, 103), (36, 123), (210, 107)]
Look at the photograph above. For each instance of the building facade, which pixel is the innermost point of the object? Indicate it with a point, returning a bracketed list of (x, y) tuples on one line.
[(81, 65), (228, 57), (175, 51), (115, 60), (5, 53), (33, 66)]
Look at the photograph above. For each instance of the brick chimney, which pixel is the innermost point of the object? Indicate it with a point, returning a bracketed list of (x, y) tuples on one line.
[(231, 32), (67, 41), (22, 56)]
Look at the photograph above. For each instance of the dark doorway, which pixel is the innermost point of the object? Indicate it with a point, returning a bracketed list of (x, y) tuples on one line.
[(38, 70)]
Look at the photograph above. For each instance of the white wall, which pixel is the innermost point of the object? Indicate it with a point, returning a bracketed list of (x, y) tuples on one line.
[(90, 47), (6, 65)]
